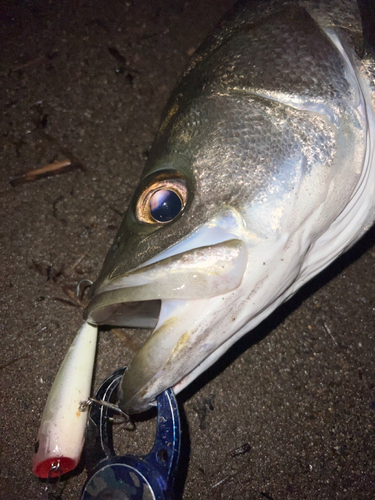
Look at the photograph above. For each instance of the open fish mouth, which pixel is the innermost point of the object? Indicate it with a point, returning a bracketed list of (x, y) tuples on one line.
[(178, 293), (132, 300)]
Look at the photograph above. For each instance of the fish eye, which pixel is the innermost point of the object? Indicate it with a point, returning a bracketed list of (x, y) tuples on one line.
[(162, 201), (165, 205)]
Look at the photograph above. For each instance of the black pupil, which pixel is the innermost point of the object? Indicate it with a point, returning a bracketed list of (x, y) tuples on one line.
[(165, 205)]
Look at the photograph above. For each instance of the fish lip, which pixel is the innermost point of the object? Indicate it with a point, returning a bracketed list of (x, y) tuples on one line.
[(134, 277), (202, 272)]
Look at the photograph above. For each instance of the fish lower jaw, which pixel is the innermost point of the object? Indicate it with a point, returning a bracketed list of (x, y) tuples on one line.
[(161, 362)]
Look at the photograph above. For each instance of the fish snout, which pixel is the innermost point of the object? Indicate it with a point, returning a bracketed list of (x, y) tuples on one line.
[(134, 299)]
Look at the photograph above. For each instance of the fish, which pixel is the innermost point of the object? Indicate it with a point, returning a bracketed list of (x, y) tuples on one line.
[(261, 174)]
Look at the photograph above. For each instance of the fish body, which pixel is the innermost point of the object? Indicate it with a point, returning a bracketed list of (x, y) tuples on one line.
[(261, 174)]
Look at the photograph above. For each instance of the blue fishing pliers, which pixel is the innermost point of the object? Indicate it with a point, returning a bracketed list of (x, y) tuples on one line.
[(129, 477)]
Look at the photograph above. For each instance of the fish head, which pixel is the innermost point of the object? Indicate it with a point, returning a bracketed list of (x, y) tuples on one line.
[(188, 274), (246, 174), (179, 246)]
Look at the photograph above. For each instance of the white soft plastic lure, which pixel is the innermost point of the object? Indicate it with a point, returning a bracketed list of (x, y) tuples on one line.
[(61, 433)]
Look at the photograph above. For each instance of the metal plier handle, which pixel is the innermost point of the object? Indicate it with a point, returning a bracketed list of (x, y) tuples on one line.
[(130, 477)]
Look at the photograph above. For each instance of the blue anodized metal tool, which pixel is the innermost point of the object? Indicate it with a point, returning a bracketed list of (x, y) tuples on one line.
[(130, 477)]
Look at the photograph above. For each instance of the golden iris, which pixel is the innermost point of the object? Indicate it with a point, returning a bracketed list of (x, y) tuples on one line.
[(162, 201)]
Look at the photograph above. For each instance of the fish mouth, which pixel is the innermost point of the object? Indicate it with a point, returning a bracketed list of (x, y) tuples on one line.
[(133, 299), (179, 294)]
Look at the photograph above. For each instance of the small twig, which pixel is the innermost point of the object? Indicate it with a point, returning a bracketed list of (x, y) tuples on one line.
[(77, 262), (66, 302), (12, 361), (230, 476), (56, 168), (71, 294), (328, 330), (32, 62), (37, 60)]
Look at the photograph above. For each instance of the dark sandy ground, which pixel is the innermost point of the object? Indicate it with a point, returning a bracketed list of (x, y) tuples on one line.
[(88, 80)]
